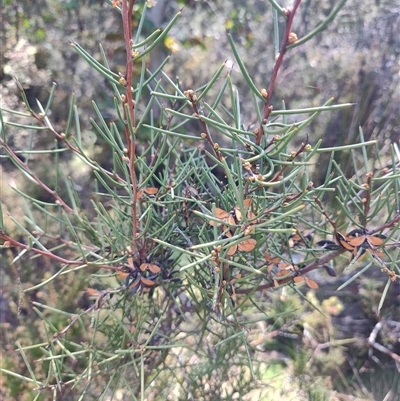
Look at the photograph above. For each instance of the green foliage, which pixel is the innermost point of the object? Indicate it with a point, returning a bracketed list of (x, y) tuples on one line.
[(173, 261)]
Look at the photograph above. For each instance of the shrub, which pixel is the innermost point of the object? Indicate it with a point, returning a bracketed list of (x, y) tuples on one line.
[(166, 266)]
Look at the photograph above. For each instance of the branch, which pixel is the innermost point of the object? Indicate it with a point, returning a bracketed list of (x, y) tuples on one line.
[(44, 121), (311, 266), (129, 114), (205, 134), (16, 160), (390, 223), (267, 106), (277, 176), (10, 242), (371, 343)]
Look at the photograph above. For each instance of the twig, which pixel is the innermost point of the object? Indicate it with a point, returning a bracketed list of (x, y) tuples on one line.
[(372, 343), (43, 120), (267, 106), (205, 134), (386, 351), (390, 223), (25, 167), (357, 375), (96, 305), (328, 344), (48, 254), (277, 176), (129, 110), (317, 349), (311, 266)]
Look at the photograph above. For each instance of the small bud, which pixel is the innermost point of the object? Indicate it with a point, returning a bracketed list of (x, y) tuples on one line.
[(216, 146), (256, 131), (308, 147), (292, 38), (122, 81), (260, 177), (125, 150), (62, 135), (125, 159), (203, 135), (276, 138), (250, 230), (123, 98), (41, 116), (370, 174), (134, 53), (264, 93), (286, 11)]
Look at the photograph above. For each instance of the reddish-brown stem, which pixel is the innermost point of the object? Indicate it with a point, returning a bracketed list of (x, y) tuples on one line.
[(390, 223), (311, 266), (127, 9), (107, 267), (277, 176), (320, 261), (206, 132), (47, 254), (277, 66), (62, 137), (26, 168), (318, 202), (12, 243), (96, 305)]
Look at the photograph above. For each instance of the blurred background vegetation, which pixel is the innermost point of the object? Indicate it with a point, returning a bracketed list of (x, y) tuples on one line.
[(356, 60)]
